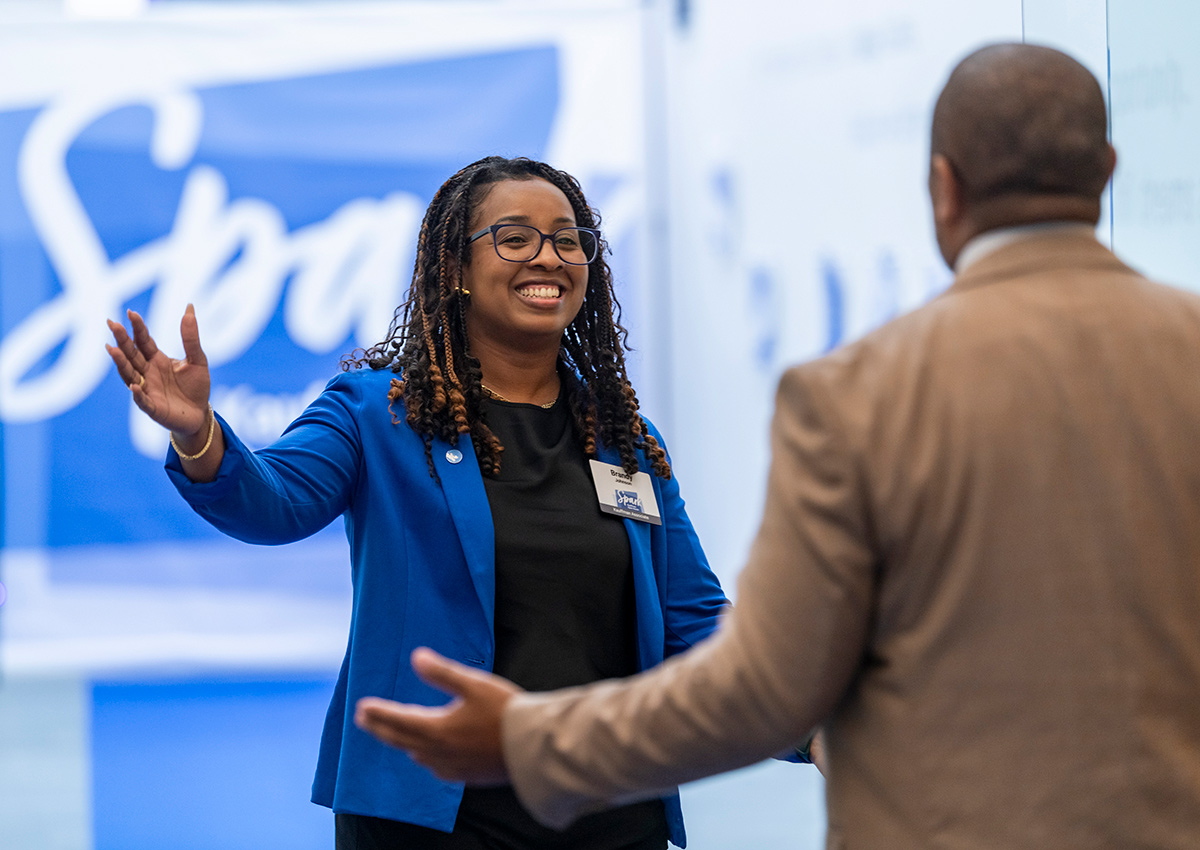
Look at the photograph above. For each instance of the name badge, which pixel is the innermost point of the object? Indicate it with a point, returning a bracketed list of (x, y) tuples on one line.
[(625, 495)]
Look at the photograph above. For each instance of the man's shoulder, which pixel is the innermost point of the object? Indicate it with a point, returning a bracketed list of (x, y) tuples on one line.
[(885, 348), (994, 321), (1170, 294)]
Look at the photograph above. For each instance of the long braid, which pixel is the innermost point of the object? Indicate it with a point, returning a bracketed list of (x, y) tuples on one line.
[(441, 383)]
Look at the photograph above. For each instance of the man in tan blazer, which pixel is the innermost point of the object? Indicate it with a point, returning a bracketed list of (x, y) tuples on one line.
[(979, 562)]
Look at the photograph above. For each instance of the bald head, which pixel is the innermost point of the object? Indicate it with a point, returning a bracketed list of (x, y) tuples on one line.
[(1017, 118), (1023, 131)]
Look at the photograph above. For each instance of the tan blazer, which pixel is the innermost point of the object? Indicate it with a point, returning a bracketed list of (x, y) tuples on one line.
[(979, 564)]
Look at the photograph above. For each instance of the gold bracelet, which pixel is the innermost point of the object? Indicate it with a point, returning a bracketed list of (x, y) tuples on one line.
[(212, 428)]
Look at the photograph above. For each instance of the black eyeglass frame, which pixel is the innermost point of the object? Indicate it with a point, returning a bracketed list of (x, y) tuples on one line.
[(496, 228)]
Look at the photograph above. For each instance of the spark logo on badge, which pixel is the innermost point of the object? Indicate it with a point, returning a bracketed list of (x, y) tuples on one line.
[(628, 499), (625, 495)]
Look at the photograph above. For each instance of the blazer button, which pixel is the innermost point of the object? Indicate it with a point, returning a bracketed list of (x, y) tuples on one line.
[(454, 455)]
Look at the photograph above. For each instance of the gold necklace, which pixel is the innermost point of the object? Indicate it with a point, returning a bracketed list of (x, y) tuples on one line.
[(491, 392)]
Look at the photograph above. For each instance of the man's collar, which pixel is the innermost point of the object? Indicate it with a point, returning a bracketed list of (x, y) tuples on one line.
[(993, 240)]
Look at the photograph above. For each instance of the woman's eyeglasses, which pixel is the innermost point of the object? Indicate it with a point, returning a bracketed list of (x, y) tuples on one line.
[(520, 243)]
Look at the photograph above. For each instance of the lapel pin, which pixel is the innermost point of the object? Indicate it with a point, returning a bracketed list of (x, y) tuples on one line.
[(454, 455)]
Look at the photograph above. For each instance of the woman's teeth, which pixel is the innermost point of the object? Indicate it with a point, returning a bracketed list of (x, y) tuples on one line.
[(539, 291)]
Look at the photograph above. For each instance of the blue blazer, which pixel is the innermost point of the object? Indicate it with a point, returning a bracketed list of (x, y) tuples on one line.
[(423, 572)]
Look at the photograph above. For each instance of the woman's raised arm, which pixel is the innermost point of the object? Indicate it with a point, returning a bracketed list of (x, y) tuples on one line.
[(174, 393)]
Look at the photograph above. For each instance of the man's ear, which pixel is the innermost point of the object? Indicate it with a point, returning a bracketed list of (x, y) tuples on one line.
[(945, 192), (949, 208)]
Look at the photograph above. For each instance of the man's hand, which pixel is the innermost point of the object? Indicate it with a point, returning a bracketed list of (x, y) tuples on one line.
[(458, 741), (816, 752)]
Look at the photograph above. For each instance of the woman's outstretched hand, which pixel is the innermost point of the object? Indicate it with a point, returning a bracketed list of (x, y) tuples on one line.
[(174, 393)]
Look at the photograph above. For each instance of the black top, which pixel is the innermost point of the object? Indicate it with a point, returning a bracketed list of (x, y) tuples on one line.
[(564, 604), (564, 572)]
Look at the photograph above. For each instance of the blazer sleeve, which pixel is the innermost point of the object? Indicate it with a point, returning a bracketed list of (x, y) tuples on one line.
[(779, 663), (294, 487), (693, 600)]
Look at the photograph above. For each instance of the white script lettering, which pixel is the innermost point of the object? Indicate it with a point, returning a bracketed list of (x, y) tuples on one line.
[(230, 258)]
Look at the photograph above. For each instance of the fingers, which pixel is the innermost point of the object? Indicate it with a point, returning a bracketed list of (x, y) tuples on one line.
[(445, 675), (460, 740), (128, 376), (118, 331), (189, 330), (135, 381), (409, 727), (136, 362), (141, 336), (423, 733)]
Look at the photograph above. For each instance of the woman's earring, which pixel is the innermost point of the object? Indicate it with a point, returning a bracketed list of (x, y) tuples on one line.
[(464, 292)]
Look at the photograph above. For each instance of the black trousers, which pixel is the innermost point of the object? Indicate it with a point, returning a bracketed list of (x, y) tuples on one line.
[(360, 832)]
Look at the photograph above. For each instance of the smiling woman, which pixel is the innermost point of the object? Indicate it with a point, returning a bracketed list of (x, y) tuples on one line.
[(482, 322), (571, 561), (524, 293)]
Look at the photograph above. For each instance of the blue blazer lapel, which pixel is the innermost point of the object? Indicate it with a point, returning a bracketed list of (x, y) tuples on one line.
[(646, 598), (462, 484)]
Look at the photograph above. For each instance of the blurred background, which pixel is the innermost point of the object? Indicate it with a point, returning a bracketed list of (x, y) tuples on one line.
[(760, 168)]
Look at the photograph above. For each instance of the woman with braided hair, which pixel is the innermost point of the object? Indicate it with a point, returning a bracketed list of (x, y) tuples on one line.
[(505, 502)]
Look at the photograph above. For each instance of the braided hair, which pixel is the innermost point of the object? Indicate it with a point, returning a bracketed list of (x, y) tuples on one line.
[(441, 384)]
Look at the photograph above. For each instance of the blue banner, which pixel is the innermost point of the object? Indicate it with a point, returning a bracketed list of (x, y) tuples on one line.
[(286, 211)]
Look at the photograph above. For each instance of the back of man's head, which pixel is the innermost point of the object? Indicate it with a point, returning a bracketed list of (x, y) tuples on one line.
[(1019, 137), (1017, 122)]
